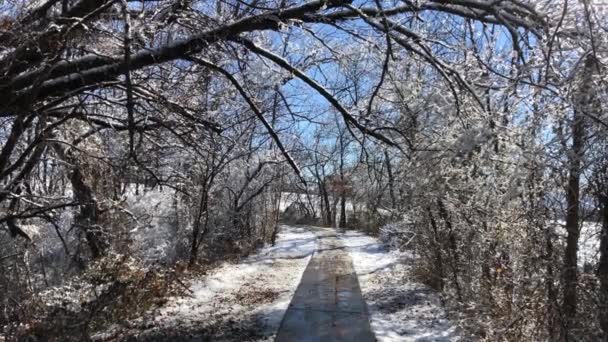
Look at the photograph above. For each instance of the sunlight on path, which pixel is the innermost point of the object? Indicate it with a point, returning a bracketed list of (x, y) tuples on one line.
[(327, 305)]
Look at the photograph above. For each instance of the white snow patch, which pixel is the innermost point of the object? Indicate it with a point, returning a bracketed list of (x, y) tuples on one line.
[(400, 309)]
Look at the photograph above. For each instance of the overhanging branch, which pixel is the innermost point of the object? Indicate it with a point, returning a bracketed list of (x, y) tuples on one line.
[(255, 109), (348, 118)]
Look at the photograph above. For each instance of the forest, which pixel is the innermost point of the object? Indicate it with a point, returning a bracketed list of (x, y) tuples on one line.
[(146, 145)]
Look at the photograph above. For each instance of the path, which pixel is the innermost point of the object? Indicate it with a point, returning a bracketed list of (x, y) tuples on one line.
[(327, 305)]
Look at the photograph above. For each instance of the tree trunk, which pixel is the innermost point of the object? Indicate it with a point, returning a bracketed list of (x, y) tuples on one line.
[(570, 271), (87, 219), (343, 211), (602, 270), (453, 247), (391, 180), (438, 281), (199, 229), (326, 205), (334, 212), (572, 223)]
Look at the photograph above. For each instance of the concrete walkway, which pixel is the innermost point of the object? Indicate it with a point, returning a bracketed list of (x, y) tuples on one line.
[(328, 305)]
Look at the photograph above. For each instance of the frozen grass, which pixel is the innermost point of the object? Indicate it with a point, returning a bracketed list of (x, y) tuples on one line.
[(401, 309)]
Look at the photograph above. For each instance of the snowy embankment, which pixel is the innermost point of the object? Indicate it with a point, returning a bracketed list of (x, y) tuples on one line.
[(400, 309), (236, 302)]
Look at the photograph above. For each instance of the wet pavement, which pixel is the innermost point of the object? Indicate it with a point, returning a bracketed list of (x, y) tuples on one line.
[(327, 305)]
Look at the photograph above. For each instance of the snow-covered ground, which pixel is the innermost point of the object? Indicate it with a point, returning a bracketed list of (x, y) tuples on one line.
[(246, 301), (242, 301), (400, 309)]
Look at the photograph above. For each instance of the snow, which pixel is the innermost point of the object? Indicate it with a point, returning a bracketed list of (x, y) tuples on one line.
[(246, 300), (239, 301), (400, 308)]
